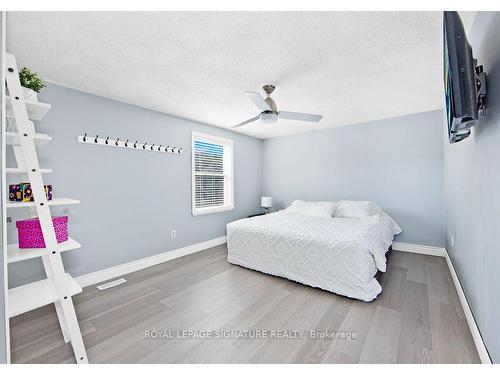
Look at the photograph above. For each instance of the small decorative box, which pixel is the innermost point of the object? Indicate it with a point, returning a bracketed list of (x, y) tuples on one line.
[(22, 192), (15, 193), (29, 232), (26, 191)]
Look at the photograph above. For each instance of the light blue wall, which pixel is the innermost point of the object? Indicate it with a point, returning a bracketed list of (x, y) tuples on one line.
[(130, 200), (397, 163), (472, 193)]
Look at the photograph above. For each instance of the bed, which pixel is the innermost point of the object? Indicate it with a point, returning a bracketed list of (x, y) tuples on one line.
[(332, 252)]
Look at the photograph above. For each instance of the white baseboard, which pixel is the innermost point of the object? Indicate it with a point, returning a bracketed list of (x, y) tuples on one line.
[(441, 252), (474, 330), (136, 265), (419, 249)]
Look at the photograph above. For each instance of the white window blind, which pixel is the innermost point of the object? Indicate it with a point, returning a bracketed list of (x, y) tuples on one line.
[(212, 174)]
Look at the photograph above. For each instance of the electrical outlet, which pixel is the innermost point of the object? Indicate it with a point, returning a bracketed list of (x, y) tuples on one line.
[(452, 240), (173, 234)]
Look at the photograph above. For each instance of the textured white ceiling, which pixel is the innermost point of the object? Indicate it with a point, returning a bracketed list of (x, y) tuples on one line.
[(350, 67)]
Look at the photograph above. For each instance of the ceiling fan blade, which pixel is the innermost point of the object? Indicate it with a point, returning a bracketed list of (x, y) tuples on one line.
[(246, 122), (299, 116), (258, 100)]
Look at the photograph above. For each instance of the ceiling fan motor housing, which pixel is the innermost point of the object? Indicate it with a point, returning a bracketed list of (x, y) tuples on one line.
[(268, 89), (268, 117)]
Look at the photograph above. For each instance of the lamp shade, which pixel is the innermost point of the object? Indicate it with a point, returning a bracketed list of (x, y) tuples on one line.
[(266, 202)]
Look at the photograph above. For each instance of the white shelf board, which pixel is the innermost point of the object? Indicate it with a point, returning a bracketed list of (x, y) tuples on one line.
[(39, 138), (28, 297), (25, 171), (36, 110), (15, 254), (53, 202)]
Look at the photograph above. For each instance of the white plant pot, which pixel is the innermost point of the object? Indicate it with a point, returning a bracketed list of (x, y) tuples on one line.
[(29, 94)]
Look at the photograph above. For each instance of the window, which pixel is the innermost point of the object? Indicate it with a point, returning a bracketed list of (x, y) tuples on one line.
[(212, 171)]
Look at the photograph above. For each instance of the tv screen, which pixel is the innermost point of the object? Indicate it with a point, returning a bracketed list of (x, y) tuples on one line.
[(460, 79)]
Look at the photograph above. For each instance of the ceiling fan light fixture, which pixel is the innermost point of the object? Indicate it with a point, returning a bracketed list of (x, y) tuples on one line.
[(268, 117)]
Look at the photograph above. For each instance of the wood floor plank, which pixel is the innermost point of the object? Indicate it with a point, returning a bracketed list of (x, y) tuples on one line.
[(443, 290), (49, 346), (416, 268), (306, 318), (314, 349), (130, 345), (357, 322), (415, 304), (276, 317), (382, 342), (415, 344), (451, 339), (440, 291), (392, 292), (223, 351)]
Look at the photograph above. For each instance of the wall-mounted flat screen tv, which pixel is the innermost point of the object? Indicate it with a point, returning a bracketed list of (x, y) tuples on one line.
[(464, 80)]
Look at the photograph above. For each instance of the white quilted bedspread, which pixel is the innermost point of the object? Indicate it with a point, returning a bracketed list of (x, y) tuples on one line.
[(341, 255)]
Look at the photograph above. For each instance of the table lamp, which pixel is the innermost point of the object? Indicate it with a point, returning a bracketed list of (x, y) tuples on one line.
[(267, 203)]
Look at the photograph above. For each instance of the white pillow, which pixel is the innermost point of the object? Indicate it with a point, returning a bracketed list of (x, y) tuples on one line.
[(357, 209), (395, 227), (316, 209), (322, 209), (298, 206)]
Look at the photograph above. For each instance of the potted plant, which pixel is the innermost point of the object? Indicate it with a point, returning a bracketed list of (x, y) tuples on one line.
[(31, 84)]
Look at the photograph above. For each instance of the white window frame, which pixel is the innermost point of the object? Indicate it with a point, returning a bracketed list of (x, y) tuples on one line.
[(228, 167)]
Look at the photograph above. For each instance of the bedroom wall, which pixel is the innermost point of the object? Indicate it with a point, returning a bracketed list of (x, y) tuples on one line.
[(472, 186), (397, 163), (130, 200)]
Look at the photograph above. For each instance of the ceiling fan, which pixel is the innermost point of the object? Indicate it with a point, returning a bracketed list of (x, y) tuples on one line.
[(270, 112)]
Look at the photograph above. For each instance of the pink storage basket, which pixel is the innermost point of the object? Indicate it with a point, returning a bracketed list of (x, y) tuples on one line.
[(30, 234)]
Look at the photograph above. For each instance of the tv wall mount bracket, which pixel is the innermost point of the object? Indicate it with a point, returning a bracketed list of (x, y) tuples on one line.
[(480, 89)]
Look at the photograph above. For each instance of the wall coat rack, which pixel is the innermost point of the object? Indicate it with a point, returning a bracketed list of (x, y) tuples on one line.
[(133, 145)]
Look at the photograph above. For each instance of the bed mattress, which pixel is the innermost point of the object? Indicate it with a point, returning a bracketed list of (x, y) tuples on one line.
[(341, 255)]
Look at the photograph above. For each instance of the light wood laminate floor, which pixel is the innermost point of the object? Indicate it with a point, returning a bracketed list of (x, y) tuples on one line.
[(416, 319)]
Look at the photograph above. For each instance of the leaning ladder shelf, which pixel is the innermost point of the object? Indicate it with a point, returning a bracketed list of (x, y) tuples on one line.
[(59, 286)]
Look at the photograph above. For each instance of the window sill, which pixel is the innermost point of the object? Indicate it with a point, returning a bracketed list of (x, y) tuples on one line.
[(212, 210)]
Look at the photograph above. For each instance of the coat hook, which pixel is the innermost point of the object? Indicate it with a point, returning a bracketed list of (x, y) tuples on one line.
[(135, 144), (167, 149), (97, 136), (159, 148), (152, 147), (106, 141), (180, 151), (85, 137), (126, 143), (144, 146), (173, 150), (116, 143)]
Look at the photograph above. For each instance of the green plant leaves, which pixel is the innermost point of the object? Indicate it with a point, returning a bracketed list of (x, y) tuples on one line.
[(31, 80)]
